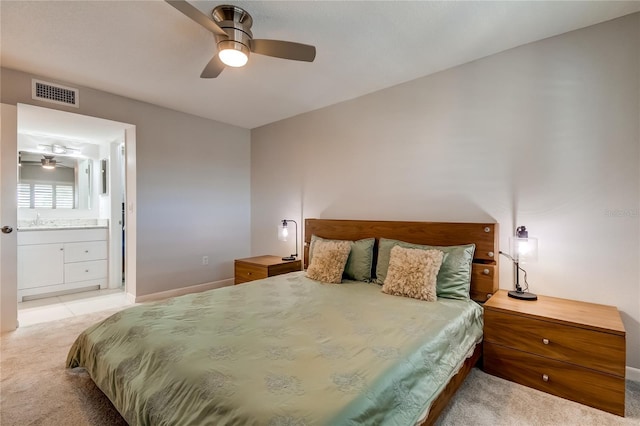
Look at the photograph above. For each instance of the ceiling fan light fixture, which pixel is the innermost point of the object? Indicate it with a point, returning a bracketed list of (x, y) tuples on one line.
[(48, 162), (232, 53)]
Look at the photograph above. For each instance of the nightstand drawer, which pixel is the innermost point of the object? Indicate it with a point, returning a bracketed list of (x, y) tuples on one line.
[(258, 267), (588, 348), (245, 272), (569, 381), (284, 268)]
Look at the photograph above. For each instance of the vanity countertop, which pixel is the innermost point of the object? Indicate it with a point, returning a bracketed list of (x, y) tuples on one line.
[(59, 224)]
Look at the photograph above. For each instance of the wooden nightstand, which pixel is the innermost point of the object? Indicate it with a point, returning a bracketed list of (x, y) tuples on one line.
[(255, 268), (571, 349)]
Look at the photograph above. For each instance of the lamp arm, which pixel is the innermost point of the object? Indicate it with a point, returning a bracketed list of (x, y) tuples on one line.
[(296, 223), (507, 255), (518, 269)]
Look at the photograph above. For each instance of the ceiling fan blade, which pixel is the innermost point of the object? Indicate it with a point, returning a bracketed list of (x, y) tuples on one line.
[(197, 16), (284, 49), (213, 68)]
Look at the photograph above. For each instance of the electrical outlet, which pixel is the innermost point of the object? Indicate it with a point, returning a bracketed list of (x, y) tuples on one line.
[(205, 260)]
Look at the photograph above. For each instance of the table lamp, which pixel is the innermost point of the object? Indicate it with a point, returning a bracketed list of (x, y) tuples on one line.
[(523, 249), (283, 235)]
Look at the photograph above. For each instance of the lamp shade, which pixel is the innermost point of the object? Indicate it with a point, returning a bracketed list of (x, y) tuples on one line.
[(283, 231), (524, 250)]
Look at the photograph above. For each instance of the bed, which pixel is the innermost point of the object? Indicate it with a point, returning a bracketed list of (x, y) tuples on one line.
[(289, 350)]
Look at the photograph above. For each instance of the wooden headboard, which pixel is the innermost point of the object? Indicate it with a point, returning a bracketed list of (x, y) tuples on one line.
[(484, 276)]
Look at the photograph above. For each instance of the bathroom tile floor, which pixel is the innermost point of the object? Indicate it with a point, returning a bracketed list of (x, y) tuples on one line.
[(70, 305)]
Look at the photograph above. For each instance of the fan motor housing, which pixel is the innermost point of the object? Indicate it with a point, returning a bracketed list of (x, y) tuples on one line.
[(234, 21)]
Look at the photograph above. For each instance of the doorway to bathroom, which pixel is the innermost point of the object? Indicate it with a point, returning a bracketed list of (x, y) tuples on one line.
[(72, 203)]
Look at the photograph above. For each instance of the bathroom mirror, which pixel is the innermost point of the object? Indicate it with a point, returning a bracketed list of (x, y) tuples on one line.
[(58, 182)]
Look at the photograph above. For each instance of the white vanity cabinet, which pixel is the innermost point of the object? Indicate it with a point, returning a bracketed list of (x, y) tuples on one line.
[(40, 265), (53, 261)]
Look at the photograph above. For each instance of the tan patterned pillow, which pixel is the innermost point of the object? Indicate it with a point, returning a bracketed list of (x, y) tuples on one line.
[(329, 259), (413, 273)]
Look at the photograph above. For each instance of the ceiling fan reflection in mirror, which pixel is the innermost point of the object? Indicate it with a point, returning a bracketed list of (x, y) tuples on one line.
[(45, 161), (231, 27)]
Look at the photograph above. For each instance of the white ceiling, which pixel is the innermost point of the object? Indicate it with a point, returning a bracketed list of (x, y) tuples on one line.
[(149, 51)]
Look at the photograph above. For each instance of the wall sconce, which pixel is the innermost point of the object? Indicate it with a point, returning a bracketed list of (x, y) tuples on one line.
[(523, 249), (60, 150), (283, 235), (104, 177)]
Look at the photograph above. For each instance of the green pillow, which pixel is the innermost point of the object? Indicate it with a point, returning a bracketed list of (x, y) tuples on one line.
[(454, 277), (360, 259)]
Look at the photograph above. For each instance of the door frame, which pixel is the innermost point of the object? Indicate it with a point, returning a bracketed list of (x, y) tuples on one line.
[(8, 217)]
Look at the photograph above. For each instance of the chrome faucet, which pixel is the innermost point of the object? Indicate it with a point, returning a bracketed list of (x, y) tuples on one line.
[(36, 221)]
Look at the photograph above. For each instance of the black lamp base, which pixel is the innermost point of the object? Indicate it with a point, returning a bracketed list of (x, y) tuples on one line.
[(289, 258), (522, 295)]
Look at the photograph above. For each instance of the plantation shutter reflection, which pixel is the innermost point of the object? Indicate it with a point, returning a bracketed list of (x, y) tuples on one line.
[(42, 196), (24, 195), (64, 196), (45, 196)]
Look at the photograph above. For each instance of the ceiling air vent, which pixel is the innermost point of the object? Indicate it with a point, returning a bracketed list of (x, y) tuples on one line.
[(54, 93)]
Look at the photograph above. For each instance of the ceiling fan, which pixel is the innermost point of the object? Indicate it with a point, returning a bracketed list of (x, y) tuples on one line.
[(231, 27)]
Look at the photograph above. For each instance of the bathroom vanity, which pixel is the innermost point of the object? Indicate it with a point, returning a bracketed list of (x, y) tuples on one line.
[(59, 260)]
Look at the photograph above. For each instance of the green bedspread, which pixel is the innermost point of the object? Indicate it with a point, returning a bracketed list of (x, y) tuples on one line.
[(285, 351)]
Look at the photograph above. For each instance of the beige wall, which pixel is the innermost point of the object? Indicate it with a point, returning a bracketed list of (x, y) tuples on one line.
[(544, 135), (193, 183)]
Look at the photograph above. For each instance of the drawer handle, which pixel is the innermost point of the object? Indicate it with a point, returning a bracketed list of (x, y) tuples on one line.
[(86, 251), (248, 273), (545, 341), (545, 378), (86, 270), (485, 271)]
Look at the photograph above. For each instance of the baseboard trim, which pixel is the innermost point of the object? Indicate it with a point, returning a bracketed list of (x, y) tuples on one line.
[(633, 374), (181, 291)]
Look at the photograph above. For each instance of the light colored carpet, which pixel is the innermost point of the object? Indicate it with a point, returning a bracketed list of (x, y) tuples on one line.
[(488, 400), (36, 389), (35, 386)]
